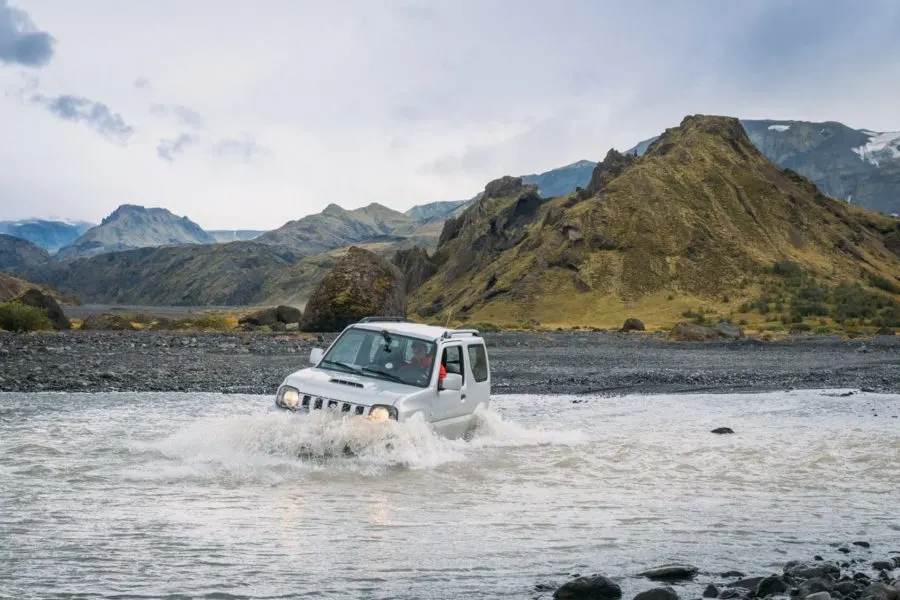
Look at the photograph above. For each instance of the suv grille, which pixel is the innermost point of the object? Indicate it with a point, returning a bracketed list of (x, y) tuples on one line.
[(317, 402)]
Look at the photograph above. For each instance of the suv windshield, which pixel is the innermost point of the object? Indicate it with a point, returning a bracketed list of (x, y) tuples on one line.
[(382, 355)]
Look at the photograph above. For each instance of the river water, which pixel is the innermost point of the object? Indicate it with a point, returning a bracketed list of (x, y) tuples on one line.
[(210, 496)]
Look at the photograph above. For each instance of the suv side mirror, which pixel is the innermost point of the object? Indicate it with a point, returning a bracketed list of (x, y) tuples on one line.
[(452, 381), (315, 355)]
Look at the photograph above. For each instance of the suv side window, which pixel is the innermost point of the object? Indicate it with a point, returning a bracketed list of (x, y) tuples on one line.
[(453, 361), (478, 361)]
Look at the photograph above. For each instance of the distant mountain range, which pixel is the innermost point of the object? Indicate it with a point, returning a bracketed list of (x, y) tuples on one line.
[(856, 165), (49, 235), (152, 256)]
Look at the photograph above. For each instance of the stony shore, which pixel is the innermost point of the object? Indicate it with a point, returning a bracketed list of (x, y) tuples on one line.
[(559, 362), (862, 573)]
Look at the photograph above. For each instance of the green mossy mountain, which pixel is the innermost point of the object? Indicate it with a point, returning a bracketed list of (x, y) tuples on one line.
[(703, 213), (362, 284)]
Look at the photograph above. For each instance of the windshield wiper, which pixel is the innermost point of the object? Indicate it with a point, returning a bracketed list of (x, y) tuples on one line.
[(345, 366), (390, 376)]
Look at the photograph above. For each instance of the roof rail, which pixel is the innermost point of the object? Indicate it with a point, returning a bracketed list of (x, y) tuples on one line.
[(383, 319), (452, 332)]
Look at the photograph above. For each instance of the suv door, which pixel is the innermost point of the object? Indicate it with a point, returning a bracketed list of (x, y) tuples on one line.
[(451, 403), (478, 376)]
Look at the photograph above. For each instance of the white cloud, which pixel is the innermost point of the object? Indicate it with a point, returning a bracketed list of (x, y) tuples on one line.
[(284, 106)]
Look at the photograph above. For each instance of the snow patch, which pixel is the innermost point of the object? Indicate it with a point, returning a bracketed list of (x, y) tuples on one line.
[(880, 146), (779, 128)]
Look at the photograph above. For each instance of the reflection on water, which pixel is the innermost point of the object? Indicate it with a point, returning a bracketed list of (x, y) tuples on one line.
[(195, 494)]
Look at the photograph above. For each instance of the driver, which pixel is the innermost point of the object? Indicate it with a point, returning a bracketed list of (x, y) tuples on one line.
[(422, 360)]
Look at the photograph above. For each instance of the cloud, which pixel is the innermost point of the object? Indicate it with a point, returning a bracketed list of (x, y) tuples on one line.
[(167, 148), (244, 148), (95, 115), (21, 43)]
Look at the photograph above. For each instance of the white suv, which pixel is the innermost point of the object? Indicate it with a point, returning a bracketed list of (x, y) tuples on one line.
[(388, 368)]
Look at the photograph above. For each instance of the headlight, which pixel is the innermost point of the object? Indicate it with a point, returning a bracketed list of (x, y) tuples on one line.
[(288, 397), (382, 412)]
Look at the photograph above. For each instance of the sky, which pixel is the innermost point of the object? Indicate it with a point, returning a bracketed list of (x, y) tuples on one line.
[(246, 115)]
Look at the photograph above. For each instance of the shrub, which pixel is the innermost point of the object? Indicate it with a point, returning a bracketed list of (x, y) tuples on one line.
[(883, 283), (212, 322), (787, 269), (15, 316)]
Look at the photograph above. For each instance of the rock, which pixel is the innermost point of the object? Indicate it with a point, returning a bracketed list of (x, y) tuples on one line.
[(862, 544), (672, 572), (417, 267), (270, 316), (729, 331), (887, 565), (292, 326), (596, 587), (885, 331), (106, 322), (660, 593), (362, 284), (848, 588), (632, 324), (503, 187), (38, 299), (814, 586), (711, 591), (732, 593), (825, 570), (819, 596), (772, 586), (278, 326), (722, 430), (688, 332), (881, 591), (729, 574), (750, 583)]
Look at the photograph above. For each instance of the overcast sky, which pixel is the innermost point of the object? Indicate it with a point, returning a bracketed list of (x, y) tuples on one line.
[(249, 114)]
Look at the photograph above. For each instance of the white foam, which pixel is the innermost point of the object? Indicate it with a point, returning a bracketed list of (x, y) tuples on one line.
[(779, 128), (275, 446)]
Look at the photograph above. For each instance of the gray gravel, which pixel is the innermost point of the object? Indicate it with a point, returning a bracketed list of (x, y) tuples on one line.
[(583, 362)]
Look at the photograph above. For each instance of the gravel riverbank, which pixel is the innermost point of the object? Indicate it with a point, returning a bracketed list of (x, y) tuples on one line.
[(581, 362)]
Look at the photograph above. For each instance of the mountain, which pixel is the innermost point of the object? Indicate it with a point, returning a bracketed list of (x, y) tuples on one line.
[(234, 235), (183, 275), (434, 211), (856, 165), (49, 235), (335, 227), (563, 180), (131, 226), (701, 219), (17, 253)]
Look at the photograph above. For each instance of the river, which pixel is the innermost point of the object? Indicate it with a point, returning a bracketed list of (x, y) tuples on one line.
[(161, 495)]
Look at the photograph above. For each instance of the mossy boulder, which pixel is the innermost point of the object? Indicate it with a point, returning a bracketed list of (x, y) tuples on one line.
[(362, 284), (38, 299), (633, 324)]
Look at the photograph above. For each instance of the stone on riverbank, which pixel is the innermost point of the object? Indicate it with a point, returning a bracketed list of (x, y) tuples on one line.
[(595, 587), (672, 572), (270, 316), (722, 430), (38, 299), (633, 324), (690, 332), (106, 322), (660, 593)]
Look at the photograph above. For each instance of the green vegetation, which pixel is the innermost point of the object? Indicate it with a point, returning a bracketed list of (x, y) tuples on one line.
[(15, 316), (796, 294)]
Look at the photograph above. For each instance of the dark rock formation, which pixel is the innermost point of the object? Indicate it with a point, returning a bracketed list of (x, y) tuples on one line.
[(416, 266), (672, 572), (270, 316), (660, 593), (362, 284), (106, 322), (722, 430)]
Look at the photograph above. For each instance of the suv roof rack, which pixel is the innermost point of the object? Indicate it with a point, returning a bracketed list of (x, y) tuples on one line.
[(454, 332), (385, 319)]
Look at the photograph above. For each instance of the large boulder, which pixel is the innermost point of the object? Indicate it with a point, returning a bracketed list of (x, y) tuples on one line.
[(632, 324), (416, 266), (362, 284), (38, 299), (689, 332)]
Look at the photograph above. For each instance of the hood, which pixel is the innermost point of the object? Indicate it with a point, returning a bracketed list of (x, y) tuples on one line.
[(347, 387)]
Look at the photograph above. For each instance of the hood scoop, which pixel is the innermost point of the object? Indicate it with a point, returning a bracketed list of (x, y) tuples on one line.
[(345, 382)]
